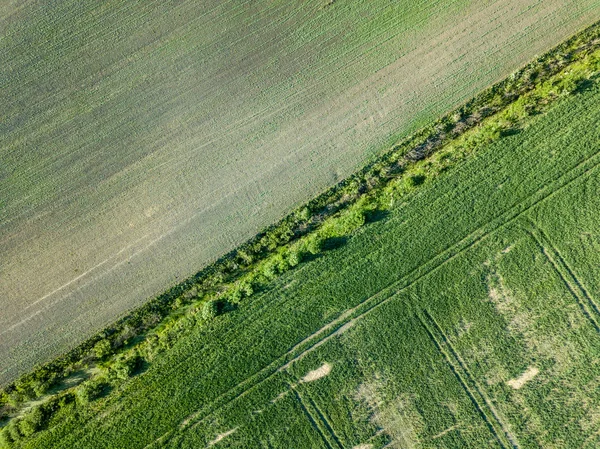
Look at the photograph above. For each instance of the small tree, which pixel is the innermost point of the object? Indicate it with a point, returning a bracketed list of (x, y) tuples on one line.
[(31, 422), (102, 349), (6, 440), (294, 258), (88, 391), (13, 431), (210, 310), (124, 366)]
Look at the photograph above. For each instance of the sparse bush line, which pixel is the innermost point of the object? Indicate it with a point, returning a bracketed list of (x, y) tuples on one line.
[(121, 350)]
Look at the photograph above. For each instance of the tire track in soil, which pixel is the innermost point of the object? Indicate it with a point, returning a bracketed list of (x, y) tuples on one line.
[(311, 418), (586, 305), (482, 403)]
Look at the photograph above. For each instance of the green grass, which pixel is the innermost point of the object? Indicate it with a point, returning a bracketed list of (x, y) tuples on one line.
[(481, 272), (141, 140)]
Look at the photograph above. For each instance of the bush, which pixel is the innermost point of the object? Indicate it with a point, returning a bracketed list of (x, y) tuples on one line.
[(246, 288), (352, 220), (102, 349), (314, 245), (234, 295), (31, 422), (269, 269), (304, 214), (40, 387), (15, 398), (5, 439), (294, 258), (124, 366), (90, 390), (12, 430), (281, 263), (210, 310)]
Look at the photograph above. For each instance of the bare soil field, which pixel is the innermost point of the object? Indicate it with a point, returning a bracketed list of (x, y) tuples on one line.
[(141, 140)]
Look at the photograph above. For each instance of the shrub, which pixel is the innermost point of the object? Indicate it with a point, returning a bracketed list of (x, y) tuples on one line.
[(90, 390), (247, 288), (40, 387), (234, 294), (269, 269), (31, 422), (281, 263), (352, 220), (13, 431), (314, 244), (210, 310), (304, 214), (245, 257), (102, 349), (5, 439), (124, 366), (15, 398), (294, 257), (65, 400)]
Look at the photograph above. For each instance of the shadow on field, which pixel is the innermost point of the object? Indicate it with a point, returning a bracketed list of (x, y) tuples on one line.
[(334, 243), (376, 215), (140, 367), (107, 388), (584, 85), (510, 132)]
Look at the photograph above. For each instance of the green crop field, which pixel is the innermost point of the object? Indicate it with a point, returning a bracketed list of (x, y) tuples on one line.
[(467, 317), (142, 139)]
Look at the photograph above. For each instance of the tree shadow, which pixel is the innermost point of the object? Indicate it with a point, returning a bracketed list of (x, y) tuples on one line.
[(334, 243), (374, 216), (227, 306), (583, 86), (510, 132), (107, 388), (141, 366)]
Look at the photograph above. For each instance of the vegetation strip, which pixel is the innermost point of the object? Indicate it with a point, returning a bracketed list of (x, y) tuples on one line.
[(122, 350)]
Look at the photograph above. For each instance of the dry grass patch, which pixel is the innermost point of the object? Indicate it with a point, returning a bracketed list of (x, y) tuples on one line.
[(528, 375), (318, 373)]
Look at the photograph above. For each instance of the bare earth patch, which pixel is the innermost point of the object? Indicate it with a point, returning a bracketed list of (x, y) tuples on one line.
[(318, 373), (529, 374), (363, 446), (221, 436), (399, 419)]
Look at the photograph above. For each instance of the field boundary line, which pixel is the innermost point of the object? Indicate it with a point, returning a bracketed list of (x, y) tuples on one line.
[(311, 418), (459, 368), (387, 292), (586, 305)]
